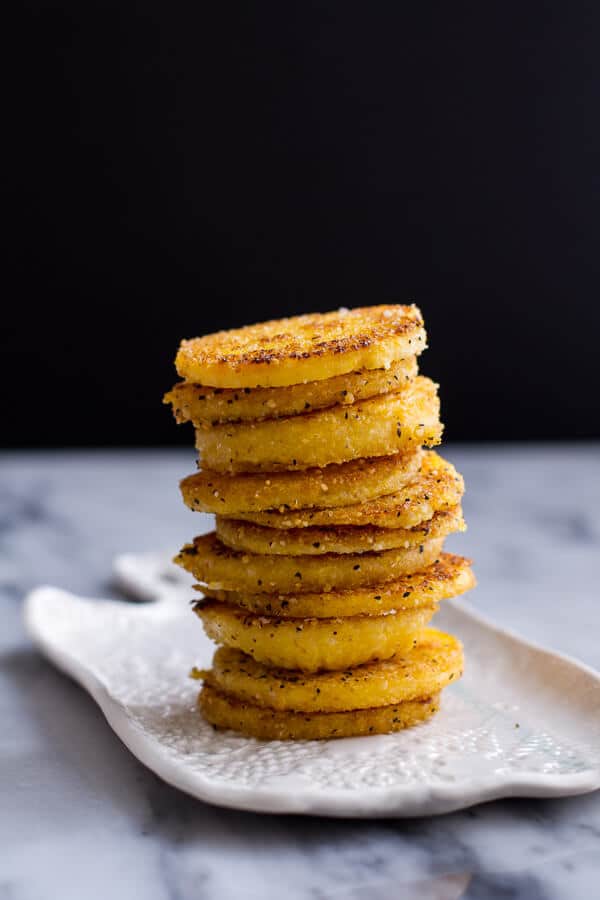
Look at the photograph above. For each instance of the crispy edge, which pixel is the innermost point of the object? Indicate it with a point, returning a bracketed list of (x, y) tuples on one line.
[(302, 348), (436, 486), (332, 486), (203, 405), (435, 662), (377, 427), (226, 713), (218, 567), (316, 541), (314, 644), (450, 576)]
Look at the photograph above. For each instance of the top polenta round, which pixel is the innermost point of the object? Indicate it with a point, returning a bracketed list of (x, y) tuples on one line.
[(303, 348)]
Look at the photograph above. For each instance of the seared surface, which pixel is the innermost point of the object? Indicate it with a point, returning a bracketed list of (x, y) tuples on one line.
[(303, 348)]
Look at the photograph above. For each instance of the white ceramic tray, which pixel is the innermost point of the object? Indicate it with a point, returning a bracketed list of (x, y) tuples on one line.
[(522, 721)]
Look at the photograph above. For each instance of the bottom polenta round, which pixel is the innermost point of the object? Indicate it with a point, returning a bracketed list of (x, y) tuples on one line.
[(313, 644), (226, 712), (436, 661)]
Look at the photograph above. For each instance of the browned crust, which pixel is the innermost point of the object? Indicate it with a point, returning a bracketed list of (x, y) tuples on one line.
[(379, 426), (215, 565), (226, 712), (303, 337), (328, 486), (303, 348), (436, 660), (204, 405), (316, 541), (436, 486), (449, 576)]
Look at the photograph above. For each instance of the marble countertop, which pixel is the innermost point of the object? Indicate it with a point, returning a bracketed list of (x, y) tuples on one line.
[(81, 818)]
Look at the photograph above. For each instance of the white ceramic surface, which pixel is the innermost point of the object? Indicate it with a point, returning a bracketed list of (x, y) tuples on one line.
[(522, 721)]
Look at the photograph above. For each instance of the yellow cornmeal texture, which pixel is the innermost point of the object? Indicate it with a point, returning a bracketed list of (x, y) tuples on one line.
[(226, 712), (327, 563), (435, 486), (214, 406), (436, 660), (450, 576), (217, 566), (314, 644), (303, 348), (377, 427), (335, 539), (327, 488)]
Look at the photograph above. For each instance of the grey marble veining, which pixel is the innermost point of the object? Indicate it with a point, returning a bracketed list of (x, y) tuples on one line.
[(81, 818)]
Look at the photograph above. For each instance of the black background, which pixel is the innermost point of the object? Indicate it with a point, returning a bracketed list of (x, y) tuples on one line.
[(174, 169)]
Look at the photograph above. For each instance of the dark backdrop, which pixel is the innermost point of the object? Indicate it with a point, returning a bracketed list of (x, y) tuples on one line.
[(178, 168)]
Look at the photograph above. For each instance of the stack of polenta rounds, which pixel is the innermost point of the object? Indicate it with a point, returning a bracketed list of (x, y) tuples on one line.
[(326, 564)]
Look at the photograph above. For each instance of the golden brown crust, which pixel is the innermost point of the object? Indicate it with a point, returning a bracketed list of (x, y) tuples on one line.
[(448, 577), (435, 661), (225, 712), (356, 481), (377, 427), (220, 568), (303, 348), (337, 538), (213, 406), (435, 487)]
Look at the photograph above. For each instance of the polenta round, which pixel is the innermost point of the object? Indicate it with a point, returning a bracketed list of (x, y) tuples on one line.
[(213, 406), (377, 427), (314, 644), (436, 486), (225, 712), (303, 348), (316, 541), (332, 486), (448, 577), (435, 661), (221, 568)]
